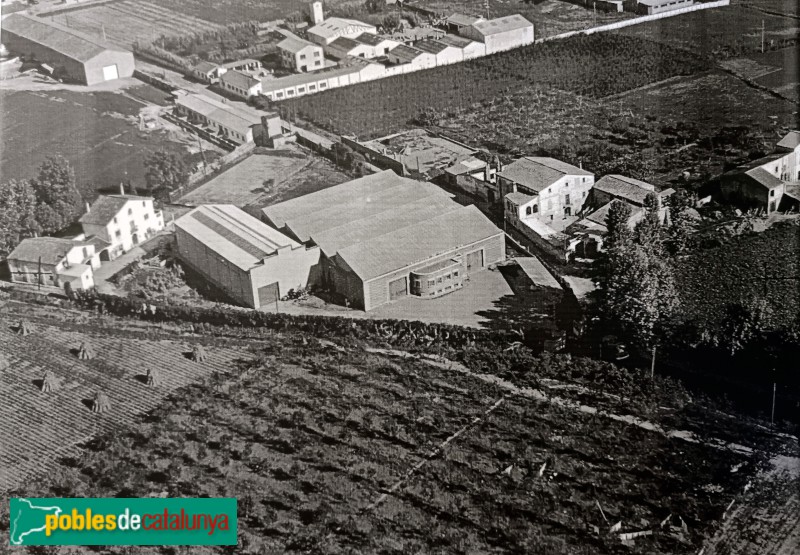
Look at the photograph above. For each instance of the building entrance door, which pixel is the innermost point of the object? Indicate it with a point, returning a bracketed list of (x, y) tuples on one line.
[(474, 261), (398, 288)]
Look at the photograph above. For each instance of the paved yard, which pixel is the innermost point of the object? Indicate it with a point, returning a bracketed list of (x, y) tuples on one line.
[(480, 295)]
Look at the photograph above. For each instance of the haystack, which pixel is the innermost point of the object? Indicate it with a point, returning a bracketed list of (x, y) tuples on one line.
[(24, 328), (49, 382), (85, 351), (101, 402), (198, 353), (152, 379)]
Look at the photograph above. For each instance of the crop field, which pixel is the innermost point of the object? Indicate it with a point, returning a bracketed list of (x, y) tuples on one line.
[(263, 179), (721, 32), (332, 448), (224, 12), (56, 423), (98, 134), (785, 80), (126, 21)]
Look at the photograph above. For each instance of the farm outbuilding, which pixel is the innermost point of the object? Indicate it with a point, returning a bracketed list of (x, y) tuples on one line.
[(503, 33), (384, 237), (73, 55), (249, 261)]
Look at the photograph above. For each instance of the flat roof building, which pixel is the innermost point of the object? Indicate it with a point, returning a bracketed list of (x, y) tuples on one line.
[(249, 261), (384, 237), (75, 55)]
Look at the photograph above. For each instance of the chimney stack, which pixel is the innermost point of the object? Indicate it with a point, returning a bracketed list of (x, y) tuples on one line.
[(121, 188), (88, 208)]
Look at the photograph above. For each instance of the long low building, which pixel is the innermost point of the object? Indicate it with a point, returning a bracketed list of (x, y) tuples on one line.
[(384, 237), (239, 124), (252, 263), (349, 72), (73, 55)]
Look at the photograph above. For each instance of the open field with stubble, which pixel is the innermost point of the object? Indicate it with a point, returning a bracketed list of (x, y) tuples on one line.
[(344, 446)]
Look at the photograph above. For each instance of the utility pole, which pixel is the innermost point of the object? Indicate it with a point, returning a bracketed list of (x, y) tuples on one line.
[(772, 418), (762, 36), (653, 363), (39, 275)]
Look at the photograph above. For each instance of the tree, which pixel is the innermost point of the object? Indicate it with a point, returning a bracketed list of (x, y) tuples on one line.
[(55, 189), (648, 231), (165, 172), (680, 225), (617, 225), (17, 214)]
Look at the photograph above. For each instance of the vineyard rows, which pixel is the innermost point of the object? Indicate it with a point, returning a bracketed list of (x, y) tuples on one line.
[(38, 427)]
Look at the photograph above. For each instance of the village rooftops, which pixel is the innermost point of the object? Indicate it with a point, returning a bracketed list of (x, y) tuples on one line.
[(627, 188), (51, 250), (238, 79), (294, 44), (233, 234), (106, 207), (791, 140), (501, 25), (538, 173), (59, 38), (519, 198)]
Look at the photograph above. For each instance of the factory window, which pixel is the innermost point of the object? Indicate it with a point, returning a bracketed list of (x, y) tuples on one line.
[(301, 90), (302, 56), (528, 211), (439, 280), (278, 95), (289, 93), (455, 274), (323, 85), (115, 219), (317, 54), (772, 193), (431, 283), (535, 208), (312, 87)]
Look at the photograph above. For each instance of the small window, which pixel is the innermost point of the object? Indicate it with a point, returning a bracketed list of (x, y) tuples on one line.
[(144, 203), (455, 273), (439, 280), (535, 208), (448, 288), (317, 53), (118, 233), (115, 219), (278, 95), (772, 193), (85, 253), (130, 211), (323, 85), (528, 210), (302, 56), (431, 283), (289, 93), (301, 90), (312, 87), (147, 216)]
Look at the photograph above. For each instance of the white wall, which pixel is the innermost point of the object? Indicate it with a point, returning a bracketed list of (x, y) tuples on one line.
[(291, 268)]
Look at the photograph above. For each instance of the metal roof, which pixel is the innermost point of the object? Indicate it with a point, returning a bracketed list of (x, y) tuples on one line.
[(233, 234), (626, 188), (791, 140), (417, 243), (68, 42), (51, 249), (335, 26), (537, 273), (106, 207), (538, 173), (501, 24), (234, 117), (432, 46), (406, 53), (458, 42)]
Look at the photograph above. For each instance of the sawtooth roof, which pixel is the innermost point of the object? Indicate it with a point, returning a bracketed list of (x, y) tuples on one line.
[(64, 40), (538, 173), (106, 207)]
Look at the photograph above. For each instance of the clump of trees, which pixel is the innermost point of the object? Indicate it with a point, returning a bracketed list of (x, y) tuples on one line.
[(45, 204), (164, 173)]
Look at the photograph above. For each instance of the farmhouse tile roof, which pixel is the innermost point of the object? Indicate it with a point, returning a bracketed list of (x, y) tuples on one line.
[(106, 207), (763, 177), (626, 188), (501, 25), (463, 20), (538, 173), (294, 44), (237, 118), (520, 199), (414, 244), (51, 249), (238, 79), (599, 216), (233, 234), (791, 140), (69, 42), (537, 273)]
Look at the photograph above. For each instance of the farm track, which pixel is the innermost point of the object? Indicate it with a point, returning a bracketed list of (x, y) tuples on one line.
[(36, 429)]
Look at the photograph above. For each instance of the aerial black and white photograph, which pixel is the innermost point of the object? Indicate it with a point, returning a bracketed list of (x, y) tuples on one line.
[(400, 277)]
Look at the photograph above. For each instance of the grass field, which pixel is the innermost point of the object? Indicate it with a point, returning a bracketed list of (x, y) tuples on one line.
[(126, 21), (333, 449), (98, 134), (786, 79)]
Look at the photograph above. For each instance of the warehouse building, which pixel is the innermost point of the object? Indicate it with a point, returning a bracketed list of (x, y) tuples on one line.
[(235, 123), (249, 261), (503, 33), (384, 237), (73, 55), (335, 27)]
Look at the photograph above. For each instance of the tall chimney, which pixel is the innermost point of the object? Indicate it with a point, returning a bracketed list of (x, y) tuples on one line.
[(121, 188), (88, 208)]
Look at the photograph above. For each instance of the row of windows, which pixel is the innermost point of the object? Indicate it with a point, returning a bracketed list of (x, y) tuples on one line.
[(441, 279), (300, 90)]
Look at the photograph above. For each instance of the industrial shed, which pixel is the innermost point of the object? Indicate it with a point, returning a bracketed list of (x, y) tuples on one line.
[(249, 261), (384, 237), (74, 55)]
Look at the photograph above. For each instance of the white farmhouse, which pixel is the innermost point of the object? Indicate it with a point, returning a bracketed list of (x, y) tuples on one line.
[(300, 55), (54, 261), (120, 222), (503, 33)]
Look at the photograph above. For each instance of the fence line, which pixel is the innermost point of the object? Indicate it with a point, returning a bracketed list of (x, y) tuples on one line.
[(637, 20)]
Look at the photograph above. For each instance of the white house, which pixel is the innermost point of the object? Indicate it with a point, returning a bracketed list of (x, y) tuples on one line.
[(240, 84), (54, 261), (121, 221), (445, 53), (555, 189), (335, 27), (300, 55), (503, 33), (344, 47)]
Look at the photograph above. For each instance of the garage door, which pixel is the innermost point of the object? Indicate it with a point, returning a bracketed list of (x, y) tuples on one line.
[(268, 294), (110, 73), (398, 288), (475, 260)]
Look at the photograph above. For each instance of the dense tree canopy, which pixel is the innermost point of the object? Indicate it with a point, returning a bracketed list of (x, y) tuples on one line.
[(165, 173)]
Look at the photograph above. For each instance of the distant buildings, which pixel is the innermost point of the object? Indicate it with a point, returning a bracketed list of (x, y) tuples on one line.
[(631, 191), (384, 237), (457, 22), (443, 52), (73, 55), (650, 7), (771, 183), (238, 124), (350, 72), (503, 33), (117, 223), (54, 261), (248, 260), (300, 55), (336, 27)]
